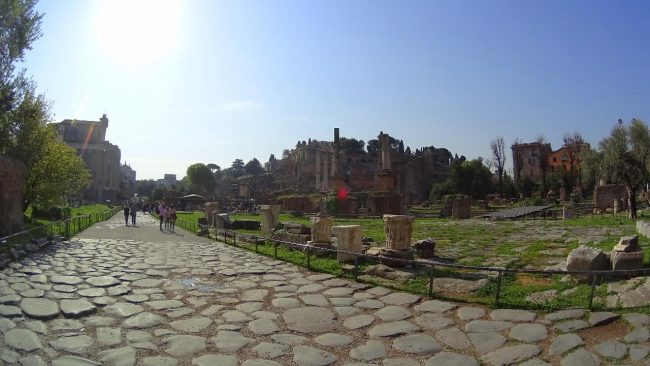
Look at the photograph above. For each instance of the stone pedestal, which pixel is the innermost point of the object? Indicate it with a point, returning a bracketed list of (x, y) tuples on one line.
[(321, 229), (585, 258), (627, 254), (461, 208), (425, 248), (348, 238), (562, 194), (398, 230), (616, 206), (210, 208), (271, 217), (567, 212)]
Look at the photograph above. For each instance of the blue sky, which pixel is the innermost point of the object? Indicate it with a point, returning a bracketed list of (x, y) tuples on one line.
[(211, 81)]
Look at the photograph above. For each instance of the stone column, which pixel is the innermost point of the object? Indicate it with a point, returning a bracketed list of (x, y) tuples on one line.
[(326, 171), (321, 229), (616, 206), (398, 229), (385, 151), (567, 212), (349, 239), (271, 216), (318, 171), (210, 209), (337, 146)]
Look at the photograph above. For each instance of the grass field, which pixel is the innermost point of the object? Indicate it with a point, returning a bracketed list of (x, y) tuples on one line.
[(522, 244)]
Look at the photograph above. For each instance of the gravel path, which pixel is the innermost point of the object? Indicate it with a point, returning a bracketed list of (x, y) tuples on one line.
[(117, 295)]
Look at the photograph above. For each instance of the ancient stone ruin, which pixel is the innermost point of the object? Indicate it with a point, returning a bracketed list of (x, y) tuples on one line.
[(567, 212), (398, 230), (627, 254), (456, 206), (425, 248), (12, 189), (321, 232), (348, 238), (271, 217), (585, 258), (211, 210)]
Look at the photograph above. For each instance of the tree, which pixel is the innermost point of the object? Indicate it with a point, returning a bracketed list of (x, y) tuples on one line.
[(237, 168), (626, 155), (591, 171), (58, 173), (254, 167), (213, 167), (573, 143), (200, 176), (470, 177), (499, 158), (144, 188), (352, 145), (518, 159), (544, 152)]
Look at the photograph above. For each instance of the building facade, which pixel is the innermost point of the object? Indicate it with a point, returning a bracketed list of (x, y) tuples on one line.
[(100, 156)]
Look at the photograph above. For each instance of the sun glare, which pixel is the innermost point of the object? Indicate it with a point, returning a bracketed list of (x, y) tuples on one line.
[(137, 32)]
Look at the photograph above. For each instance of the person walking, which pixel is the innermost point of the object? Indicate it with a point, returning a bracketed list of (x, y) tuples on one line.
[(172, 218), (126, 215), (134, 212), (161, 215), (166, 218)]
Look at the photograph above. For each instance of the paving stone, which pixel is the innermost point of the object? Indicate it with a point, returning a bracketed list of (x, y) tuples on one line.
[(513, 315), (369, 304), (212, 310), (249, 307), (123, 309), (565, 314), (262, 327), (33, 360), (333, 340), (611, 349), (637, 319), (124, 356), (433, 321), (191, 325), (66, 280), (454, 338), (638, 352), (164, 304), (400, 299), (338, 292), (511, 354), (23, 340), (315, 300), (580, 357), (400, 362), (434, 306), (103, 281), (143, 320), (271, 350), (64, 288), (6, 324), (418, 343), (309, 319), (9, 311), (32, 292), (487, 342), (147, 282), (260, 362), (470, 313), (92, 292), (448, 358), (371, 350), (602, 318), (289, 339), (109, 336), (141, 339), (99, 321), (230, 342), (637, 335), (76, 308), (11, 299), (65, 324), (564, 342), (39, 308), (78, 344), (310, 356), (535, 362), (571, 325), (184, 345), (285, 302), (159, 361), (118, 290), (528, 333), (393, 329), (393, 313), (103, 300), (216, 360), (358, 321)]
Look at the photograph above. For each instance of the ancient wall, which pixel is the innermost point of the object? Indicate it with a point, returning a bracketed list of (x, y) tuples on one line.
[(605, 195), (12, 189)]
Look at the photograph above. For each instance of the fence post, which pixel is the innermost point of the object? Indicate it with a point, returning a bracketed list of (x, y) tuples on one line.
[(356, 267), (498, 288), (431, 282), (275, 249), (234, 238), (593, 290), (255, 239), (309, 259)]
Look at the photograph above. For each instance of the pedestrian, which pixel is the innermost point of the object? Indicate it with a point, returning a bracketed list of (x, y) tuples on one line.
[(161, 215), (134, 212), (172, 218), (166, 218), (126, 215)]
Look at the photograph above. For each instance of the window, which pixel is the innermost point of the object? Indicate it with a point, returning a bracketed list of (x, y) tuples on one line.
[(565, 158), (554, 158)]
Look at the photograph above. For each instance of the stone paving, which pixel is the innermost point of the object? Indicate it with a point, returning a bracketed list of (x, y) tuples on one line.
[(119, 295)]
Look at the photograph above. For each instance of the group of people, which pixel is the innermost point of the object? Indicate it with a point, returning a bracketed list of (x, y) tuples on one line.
[(167, 216), (132, 211)]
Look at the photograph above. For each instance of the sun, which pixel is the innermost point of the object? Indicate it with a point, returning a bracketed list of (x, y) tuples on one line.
[(137, 32)]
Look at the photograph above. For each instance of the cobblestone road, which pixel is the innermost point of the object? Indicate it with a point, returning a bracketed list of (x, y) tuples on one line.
[(119, 295)]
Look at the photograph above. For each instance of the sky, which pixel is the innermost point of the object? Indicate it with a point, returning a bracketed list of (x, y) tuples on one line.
[(209, 81)]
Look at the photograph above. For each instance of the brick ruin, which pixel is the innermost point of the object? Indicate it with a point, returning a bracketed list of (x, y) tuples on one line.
[(382, 179)]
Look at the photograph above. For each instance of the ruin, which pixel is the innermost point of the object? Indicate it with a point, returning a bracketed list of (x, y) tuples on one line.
[(12, 189), (321, 231), (348, 238), (605, 195), (100, 156), (211, 209), (398, 230), (271, 217), (385, 199), (627, 254)]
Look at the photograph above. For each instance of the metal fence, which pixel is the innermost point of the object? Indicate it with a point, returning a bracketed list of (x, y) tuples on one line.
[(594, 277)]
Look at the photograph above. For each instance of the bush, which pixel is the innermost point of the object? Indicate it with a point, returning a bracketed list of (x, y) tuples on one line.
[(54, 213)]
